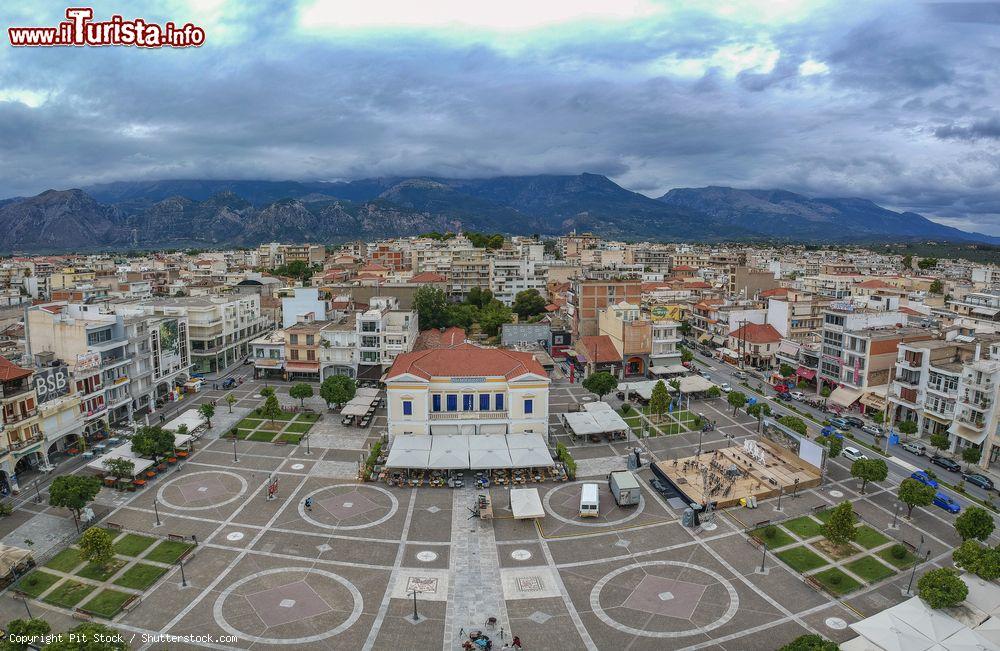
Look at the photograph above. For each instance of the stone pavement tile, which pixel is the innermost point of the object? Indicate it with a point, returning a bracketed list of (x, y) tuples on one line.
[(832, 622), (398, 632), (223, 458), (510, 529), (884, 596), (542, 624), (168, 598), (766, 640), (520, 554), (351, 456), (234, 536), (145, 521), (592, 451), (300, 464), (417, 555), (308, 546)]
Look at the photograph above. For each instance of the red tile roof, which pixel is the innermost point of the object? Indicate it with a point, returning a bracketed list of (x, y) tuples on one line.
[(434, 338), (374, 266), (701, 284), (10, 371), (874, 284), (777, 291), (756, 333), (466, 360), (684, 267), (429, 277), (599, 349)]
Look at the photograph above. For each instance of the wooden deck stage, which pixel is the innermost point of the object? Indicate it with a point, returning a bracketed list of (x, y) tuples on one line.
[(781, 466)]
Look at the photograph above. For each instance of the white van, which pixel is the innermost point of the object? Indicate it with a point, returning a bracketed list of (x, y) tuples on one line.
[(589, 501)]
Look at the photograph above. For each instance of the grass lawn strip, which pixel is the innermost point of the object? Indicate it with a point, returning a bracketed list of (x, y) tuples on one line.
[(870, 569), (168, 551), (299, 428), (249, 423), (901, 563), (869, 538), (36, 583), (262, 436), (308, 418), (107, 603), (836, 581), (802, 559), (804, 527), (140, 576), (66, 560), (290, 438), (778, 537), (133, 544), (68, 593), (96, 572)]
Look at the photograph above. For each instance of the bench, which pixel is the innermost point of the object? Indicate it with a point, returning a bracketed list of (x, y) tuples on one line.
[(82, 615), (813, 583), (176, 537), (819, 507), (280, 442), (113, 525), (131, 603), (762, 523)]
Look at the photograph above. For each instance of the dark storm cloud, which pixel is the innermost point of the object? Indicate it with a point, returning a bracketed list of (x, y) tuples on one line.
[(888, 101)]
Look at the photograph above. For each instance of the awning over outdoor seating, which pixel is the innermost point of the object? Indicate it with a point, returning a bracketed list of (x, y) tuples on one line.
[(788, 348), (671, 369), (409, 451), (844, 396), (694, 384), (181, 439), (643, 389), (449, 452), (719, 340), (806, 373), (15, 557), (366, 392), (192, 418), (875, 398), (140, 464), (702, 339), (958, 428), (726, 352), (355, 408), (526, 504)]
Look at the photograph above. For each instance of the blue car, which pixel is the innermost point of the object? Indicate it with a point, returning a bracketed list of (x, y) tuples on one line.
[(924, 478), (946, 503), (831, 431)]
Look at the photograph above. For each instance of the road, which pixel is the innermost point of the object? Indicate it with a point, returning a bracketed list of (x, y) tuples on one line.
[(900, 462)]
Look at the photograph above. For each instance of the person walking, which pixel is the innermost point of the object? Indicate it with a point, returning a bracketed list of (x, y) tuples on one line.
[(309, 504), (516, 642)]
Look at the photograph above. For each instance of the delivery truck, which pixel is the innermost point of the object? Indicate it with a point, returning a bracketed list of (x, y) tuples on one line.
[(625, 487)]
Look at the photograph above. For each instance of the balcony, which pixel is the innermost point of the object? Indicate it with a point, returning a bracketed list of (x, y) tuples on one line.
[(982, 402), (469, 415), (12, 391), (12, 417), (21, 444), (971, 423)]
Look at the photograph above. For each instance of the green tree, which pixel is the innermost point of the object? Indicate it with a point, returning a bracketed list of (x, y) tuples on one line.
[(914, 493), (430, 303), (878, 417), (795, 424), (90, 636), (940, 441), (786, 370), (736, 399), (869, 470), (337, 390), (835, 445), (659, 400), (97, 546), (271, 409), (494, 315), (686, 355), (207, 410), (927, 263), (839, 529), (479, 297), (529, 303), (462, 315), (230, 400), (941, 588), (267, 391), (713, 392), (601, 383), (73, 492), (907, 261), (971, 455), (982, 561), (988, 567), (24, 629), (810, 642), (937, 287), (974, 523), (120, 468), (907, 427), (300, 392)]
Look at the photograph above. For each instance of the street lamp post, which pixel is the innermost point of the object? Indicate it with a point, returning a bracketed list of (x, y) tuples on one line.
[(780, 492), (909, 586), (184, 582), (895, 516), (156, 510), (24, 600), (38, 495), (235, 459), (308, 451), (763, 559), (416, 617)]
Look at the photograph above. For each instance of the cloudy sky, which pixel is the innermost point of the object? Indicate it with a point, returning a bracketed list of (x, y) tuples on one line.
[(896, 101)]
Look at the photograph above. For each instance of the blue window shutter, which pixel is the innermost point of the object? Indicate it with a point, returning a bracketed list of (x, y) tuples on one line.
[(529, 406), (484, 402), (407, 408), (499, 402), (467, 402), (436, 402), (452, 402)]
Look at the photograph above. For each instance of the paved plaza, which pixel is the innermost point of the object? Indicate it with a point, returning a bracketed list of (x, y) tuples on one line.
[(342, 574)]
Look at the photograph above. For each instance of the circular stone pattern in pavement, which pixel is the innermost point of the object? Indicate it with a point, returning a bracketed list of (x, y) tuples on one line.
[(836, 494), (520, 554), (234, 536), (298, 466), (343, 502), (426, 556), (836, 623), (202, 486), (603, 497), (290, 603), (685, 594)]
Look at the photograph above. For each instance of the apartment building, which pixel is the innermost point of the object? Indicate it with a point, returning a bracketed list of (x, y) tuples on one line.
[(631, 335), (220, 328), (58, 404), (798, 316), (831, 285), (302, 304), (302, 344), (268, 352), (979, 309), (514, 271), (467, 390), (666, 339), (655, 257), (274, 254), (754, 345), (71, 277), (470, 267), (21, 434), (384, 331), (587, 297), (339, 350), (748, 282)]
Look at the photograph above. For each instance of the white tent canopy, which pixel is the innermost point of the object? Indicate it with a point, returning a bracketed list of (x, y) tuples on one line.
[(598, 418), (357, 407), (489, 452), (449, 452), (528, 451), (671, 369), (844, 397), (525, 503), (141, 465), (913, 626), (462, 452), (366, 392), (192, 418), (409, 451), (694, 384), (643, 389)]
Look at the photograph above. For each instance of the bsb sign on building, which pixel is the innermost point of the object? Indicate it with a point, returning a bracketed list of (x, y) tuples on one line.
[(51, 382)]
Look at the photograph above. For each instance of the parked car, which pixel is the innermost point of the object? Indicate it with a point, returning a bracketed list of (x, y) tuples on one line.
[(830, 430), (916, 448), (853, 421), (946, 503), (853, 454), (787, 397), (659, 486), (840, 423), (922, 477), (976, 479), (725, 387), (797, 395), (229, 383), (946, 463), (874, 430), (740, 375)]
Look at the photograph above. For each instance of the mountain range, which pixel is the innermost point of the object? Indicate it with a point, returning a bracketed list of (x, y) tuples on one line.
[(210, 213)]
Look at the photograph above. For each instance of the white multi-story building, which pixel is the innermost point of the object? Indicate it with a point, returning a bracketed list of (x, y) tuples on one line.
[(467, 390), (514, 272), (383, 331), (666, 338), (338, 347)]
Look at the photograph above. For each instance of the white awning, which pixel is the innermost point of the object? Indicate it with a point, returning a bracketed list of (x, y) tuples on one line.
[(354, 409), (526, 504), (404, 454), (598, 418), (181, 439), (671, 369), (719, 340), (643, 388), (528, 451), (694, 384), (364, 392), (844, 396), (959, 428), (141, 465), (192, 418), (449, 452), (488, 452), (788, 348)]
